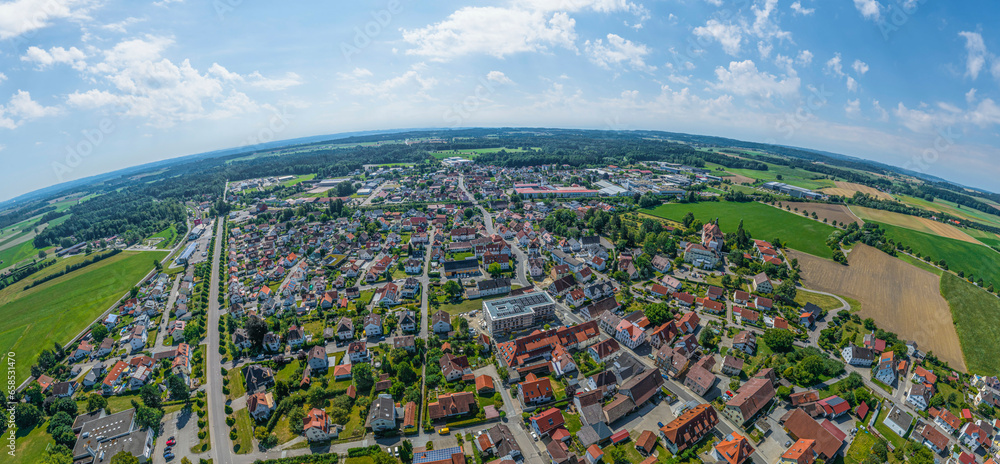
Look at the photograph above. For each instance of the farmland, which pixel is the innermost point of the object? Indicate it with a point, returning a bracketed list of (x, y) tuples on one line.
[(919, 224), (900, 297), (944, 206), (832, 213), (762, 221), (986, 238), (977, 317), (847, 190), (789, 175), (970, 258), (59, 309)]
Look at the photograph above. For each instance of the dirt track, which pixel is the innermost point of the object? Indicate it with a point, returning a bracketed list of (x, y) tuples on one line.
[(900, 297)]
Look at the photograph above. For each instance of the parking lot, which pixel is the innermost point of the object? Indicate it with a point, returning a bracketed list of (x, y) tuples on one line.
[(183, 426)]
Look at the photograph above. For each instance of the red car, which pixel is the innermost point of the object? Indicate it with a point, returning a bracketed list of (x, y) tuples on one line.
[(171, 441)]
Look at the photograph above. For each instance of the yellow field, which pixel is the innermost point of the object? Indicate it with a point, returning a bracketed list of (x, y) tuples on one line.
[(899, 296), (913, 223), (847, 189)]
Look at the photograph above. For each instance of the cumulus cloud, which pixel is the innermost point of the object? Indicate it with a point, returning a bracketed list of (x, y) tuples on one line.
[(882, 114), (19, 17), (860, 67), (804, 58), (869, 9), (853, 107), (498, 77), (56, 55), (21, 108), (800, 10), (744, 79), (618, 50), (834, 66), (976, 52), (852, 85), (730, 36)]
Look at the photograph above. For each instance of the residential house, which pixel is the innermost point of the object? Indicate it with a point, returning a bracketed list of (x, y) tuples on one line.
[(857, 356), (316, 425), (733, 449), (382, 414), (750, 399), (441, 322), (535, 390), (260, 405), (689, 428), (745, 341), (357, 352)]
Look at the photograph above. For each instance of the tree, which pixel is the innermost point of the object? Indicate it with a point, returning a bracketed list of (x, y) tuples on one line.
[(658, 313), (124, 457), (494, 269), (779, 340), (786, 290), (256, 330), (96, 402), (784, 392), (98, 332), (688, 219), (869, 324), (64, 404), (452, 288), (363, 378), (146, 416), (41, 254), (26, 415), (461, 326), (406, 452), (406, 373), (178, 389), (150, 395)]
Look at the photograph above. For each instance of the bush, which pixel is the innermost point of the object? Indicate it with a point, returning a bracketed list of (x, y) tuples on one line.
[(229, 409), (232, 434), (202, 434), (230, 421)]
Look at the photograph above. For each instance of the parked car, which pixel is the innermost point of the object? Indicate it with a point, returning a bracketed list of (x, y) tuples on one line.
[(443, 431), (171, 441)]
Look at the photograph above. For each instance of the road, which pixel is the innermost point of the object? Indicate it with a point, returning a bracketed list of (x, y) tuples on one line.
[(222, 450), (522, 258)]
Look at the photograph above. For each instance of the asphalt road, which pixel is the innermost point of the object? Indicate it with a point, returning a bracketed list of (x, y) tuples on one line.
[(222, 452)]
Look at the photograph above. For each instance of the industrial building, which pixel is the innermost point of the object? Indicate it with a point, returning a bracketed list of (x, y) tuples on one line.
[(188, 252)]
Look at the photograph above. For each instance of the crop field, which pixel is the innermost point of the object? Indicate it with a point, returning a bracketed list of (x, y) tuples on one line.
[(900, 297), (847, 190), (918, 224), (762, 221), (986, 238), (59, 309), (945, 206), (832, 213), (971, 258), (790, 176), (977, 317)]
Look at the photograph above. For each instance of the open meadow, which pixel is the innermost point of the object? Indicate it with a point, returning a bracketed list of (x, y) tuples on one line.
[(57, 310), (977, 318), (900, 297), (916, 223), (762, 221), (945, 206), (847, 190), (971, 258)]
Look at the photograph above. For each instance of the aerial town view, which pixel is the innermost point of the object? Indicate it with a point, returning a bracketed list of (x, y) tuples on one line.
[(569, 261)]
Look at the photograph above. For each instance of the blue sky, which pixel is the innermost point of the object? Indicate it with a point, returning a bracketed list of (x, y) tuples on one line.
[(88, 86)]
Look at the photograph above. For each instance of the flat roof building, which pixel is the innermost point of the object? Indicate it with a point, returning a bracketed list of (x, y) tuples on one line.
[(518, 312)]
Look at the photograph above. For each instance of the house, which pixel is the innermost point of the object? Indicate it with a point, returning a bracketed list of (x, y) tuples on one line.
[(295, 336), (973, 436), (535, 390), (464, 268), (83, 350), (630, 334), (919, 396), (688, 323), (453, 455), (345, 329), (700, 256), (382, 414), (562, 362), (834, 406), (499, 442), (258, 378), (745, 341), (933, 439), (699, 380), (801, 452), (260, 405), (604, 351), (388, 295), (484, 385), (946, 420), (594, 454), (857, 356), (646, 443), (316, 359), (413, 266), (373, 325), (454, 367), (762, 284), (886, 369), (491, 287), (271, 342), (101, 437), (750, 399), (642, 387), (732, 366), (546, 421), (898, 421), (63, 389), (408, 321), (357, 352), (689, 428), (342, 372), (661, 264), (406, 342), (451, 405), (316, 425), (241, 339), (711, 236), (663, 334), (800, 426), (441, 322), (740, 297), (733, 449)]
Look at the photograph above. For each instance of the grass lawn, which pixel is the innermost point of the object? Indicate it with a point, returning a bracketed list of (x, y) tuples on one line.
[(355, 426), (18, 253), (989, 239), (977, 317), (826, 302), (30, 445), (62, 307), (281, 430), (896, 440), (462, 307), (298, 180), (971, 258), (236, 387), (168, 235), (364, 298), (360, 460), (860, 448), (286, 371), (761, 221), (244, 432), (204, 444), (573, 423)]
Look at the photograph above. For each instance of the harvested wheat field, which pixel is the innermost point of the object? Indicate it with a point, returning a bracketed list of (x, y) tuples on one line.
[(919, 224), (740, 178), (899, 296), (847, 189), (838, 213)]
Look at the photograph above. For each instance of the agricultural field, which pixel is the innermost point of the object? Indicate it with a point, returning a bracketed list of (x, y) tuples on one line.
[(900, 297), (847, 190), (790, 176), (986, 238), (832, 213), (977, 317), (970, 258), (298, 180), (60, 308), (945, 206), (762, 221), (916, 223)]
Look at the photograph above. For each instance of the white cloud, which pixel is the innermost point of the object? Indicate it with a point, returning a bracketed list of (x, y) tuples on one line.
[(764, 49), (21, 108), (291, 79), (494, 31), (56, 55), (742, 78), (729, 36), (852, 85), (498, 77), (805, 57), (714, 2), (617, 51), (412, 81), (883, 115), (121, 26), (976, 50), (834, 66), (860, 67), (798, 9), (870, 9), (853, 107), (763, 25), (3, 77), (987, 113), (970, 96), (22, 16)]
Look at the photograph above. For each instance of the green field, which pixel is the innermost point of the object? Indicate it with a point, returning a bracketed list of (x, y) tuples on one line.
[(954, 209), (860, 448), (168, 235), (790, 176), (60, 308), (30, 445), (826, 302), (987, 238), (762, 221), (298, 180), (18, 253), (970, 258), (977, 318)]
